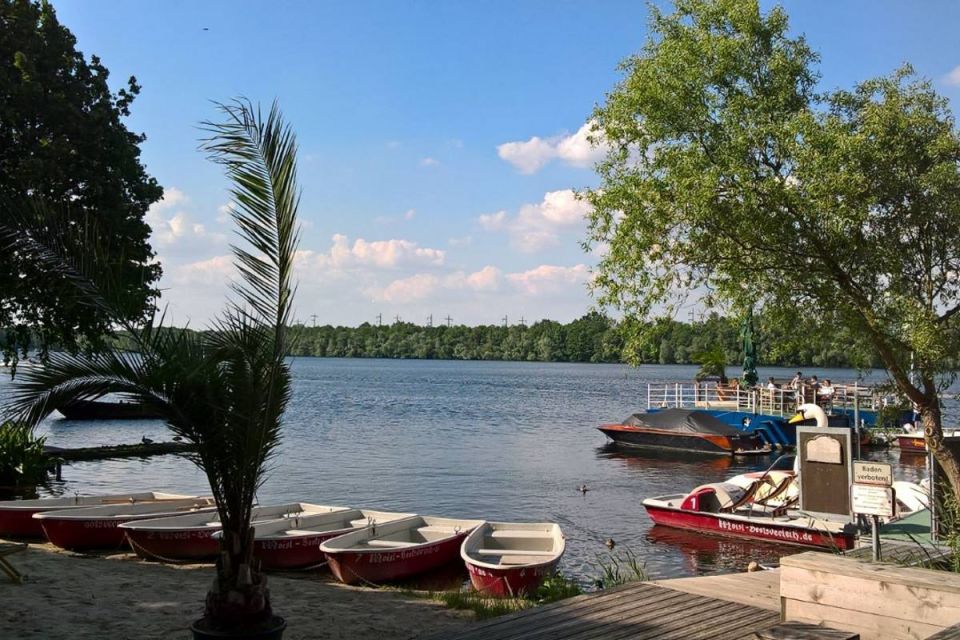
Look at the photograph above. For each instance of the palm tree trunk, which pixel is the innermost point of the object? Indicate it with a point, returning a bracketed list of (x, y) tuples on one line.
[(239, 595)]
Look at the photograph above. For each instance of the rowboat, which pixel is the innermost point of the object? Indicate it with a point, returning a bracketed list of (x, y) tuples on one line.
[(192, 536), (16, 516), (397, 549), (99, 527), (512, 558), (294, 542)]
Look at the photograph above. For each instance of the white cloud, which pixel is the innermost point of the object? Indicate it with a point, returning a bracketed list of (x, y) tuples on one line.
[(224, 212), (429, 162), (493, 221), (575, 149), (549, 279), (383, 254), (538, 226), (393, 144), (463, 241), (409, 214), (415, 287), (172, 225), (953, 78)]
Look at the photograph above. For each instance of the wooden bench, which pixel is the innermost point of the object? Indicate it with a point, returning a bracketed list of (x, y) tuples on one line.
[(8, 549)]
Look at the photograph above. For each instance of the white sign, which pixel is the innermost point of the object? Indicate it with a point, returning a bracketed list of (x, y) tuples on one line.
[(871, 500), (876, 473), (824, 449)]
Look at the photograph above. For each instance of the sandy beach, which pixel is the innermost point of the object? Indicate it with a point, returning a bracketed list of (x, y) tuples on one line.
[(67, 595)]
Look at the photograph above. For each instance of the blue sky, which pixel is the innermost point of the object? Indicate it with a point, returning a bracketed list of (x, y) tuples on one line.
[(412, 205)]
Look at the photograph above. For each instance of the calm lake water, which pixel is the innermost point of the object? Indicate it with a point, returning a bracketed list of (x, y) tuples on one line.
[(492, 440)]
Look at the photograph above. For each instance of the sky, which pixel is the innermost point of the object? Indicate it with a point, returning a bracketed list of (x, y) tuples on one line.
[(441, 142)]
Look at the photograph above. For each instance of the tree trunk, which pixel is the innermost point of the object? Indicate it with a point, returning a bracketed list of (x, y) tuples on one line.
[(239, 597), (931, 419)]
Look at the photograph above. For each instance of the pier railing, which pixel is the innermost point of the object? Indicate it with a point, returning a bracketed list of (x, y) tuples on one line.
[(779, 401)]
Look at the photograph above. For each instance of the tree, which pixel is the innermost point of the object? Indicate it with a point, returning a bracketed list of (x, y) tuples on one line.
[(730, 176), (223, 390), (62, 139)]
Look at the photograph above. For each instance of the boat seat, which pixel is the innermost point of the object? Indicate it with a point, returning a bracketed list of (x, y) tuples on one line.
[(436, 529), (391, 544), (513, 552), (516, 533)]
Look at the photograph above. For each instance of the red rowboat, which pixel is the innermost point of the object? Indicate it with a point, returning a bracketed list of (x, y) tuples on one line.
[(16, 516), (294, 543), (512, 558), (397, 549), (912, 443), (192, 536), (727, 509), (99, 527)]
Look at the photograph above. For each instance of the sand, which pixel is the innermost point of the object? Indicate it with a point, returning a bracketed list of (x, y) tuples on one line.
[(68, 595)]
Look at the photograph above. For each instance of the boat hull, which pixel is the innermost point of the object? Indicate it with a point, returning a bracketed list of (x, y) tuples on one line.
[(176, 546), (510, 581), (301, 552), (365, 566), (644, 437), (19, 523), (84, 534), (755, 529), (912, 443)]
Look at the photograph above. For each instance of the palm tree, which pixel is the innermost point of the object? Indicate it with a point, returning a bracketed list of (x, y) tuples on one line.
[(223, 390)]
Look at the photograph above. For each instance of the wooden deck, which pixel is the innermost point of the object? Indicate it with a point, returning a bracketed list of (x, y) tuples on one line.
[(759, 589), (638, 611)]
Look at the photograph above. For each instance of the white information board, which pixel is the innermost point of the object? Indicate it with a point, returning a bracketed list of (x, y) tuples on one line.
[(876, 473), (872, 500)]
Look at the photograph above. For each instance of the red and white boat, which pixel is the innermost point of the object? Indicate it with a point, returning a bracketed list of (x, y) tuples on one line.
[(512, 558), (728, 509), (192, 537), (99, 527), (294, 542), (398, 549), (16, 516)]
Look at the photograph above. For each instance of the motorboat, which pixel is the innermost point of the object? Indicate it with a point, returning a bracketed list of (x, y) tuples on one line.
[(294, 542), (105, 410), (685, 430), (398, 549), (16, 516), (99, 527), (191, 537), (512, 558)]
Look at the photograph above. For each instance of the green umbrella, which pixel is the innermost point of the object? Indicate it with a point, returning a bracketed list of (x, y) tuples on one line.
[(750, 376)]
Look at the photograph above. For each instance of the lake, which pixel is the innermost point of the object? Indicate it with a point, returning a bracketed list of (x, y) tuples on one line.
[(492, 440)]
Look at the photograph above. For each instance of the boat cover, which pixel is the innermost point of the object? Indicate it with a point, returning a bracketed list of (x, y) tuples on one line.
[(682, 421)]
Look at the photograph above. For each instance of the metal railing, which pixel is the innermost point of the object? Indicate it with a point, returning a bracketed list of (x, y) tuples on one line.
[(778, 401)]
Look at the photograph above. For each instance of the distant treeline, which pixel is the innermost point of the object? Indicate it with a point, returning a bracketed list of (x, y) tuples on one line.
[(592, 338)]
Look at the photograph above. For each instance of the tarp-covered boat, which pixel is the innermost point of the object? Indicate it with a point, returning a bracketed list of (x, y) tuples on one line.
[(99, 527), (16, 516), (684, 429), (294, 542), (509, 559), (397, 549), (191, 536)]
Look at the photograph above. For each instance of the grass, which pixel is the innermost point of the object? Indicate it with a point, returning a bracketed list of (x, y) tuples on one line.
[(620, 568)]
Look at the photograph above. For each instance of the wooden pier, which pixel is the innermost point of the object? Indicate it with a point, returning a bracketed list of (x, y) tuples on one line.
[(141, 450), (635, 611)]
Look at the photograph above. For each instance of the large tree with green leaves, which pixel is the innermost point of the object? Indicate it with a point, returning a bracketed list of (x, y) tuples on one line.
[(63, 141), (731, 176)]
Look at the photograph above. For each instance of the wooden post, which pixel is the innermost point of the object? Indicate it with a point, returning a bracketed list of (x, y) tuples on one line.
[(875, 535)]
